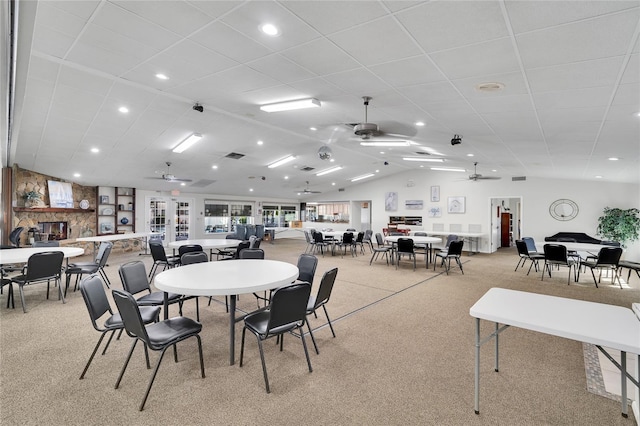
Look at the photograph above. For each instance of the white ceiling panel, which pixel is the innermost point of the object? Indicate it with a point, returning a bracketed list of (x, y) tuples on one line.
[(325, 20)]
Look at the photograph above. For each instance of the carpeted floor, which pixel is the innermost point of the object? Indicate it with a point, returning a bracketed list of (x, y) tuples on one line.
[(403, 355)]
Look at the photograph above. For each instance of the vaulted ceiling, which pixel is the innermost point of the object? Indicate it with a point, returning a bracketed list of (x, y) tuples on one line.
[(567, 98)]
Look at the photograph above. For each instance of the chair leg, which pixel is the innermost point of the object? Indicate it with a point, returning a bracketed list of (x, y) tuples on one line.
[(594, 278), (264, 365), (153, 377), (306, 351), (244, 330), (460, 265), (328, 320), (126, 363), (24, 304), (313, 339), (86, 367)]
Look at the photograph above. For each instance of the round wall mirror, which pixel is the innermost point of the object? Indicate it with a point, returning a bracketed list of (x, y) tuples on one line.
[(563, 209)]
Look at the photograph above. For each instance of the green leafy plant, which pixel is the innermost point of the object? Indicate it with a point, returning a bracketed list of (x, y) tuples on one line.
[(619, 225), (31, 195)]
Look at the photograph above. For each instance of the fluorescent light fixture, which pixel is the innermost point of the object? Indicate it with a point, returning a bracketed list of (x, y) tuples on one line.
[(428, 160), (282, 161), (368, 175), (327, 171), (186, 144), (386, 143), (613, 158), (291, 105), (447, 169)]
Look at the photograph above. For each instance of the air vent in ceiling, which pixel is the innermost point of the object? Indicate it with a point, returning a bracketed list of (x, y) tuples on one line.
[(307, 168), (340, 189), (515, 178), (202, 183), (423, 153), (234, 155)]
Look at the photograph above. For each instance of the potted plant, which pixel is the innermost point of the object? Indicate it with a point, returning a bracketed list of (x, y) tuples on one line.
[(619, 225), (31, 198)]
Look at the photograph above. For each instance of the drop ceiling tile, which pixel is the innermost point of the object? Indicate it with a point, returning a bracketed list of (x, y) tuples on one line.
[(51, 16), (514, 84), (577, 75), (51, 42), (356, 82), (280, 68), (497, 104), (632, 71), (40, 89), (408, 72), (493, 57), (226, 41), (581, 41), (313, 56), (377, 42), (43, 69), (426, 94), (575, 98), (434, 25), (331, 16), (82, 80)]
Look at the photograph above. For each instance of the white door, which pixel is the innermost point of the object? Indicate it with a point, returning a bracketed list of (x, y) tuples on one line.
[(169, 217)]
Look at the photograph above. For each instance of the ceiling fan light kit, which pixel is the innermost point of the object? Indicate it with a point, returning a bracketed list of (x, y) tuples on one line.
[(476, 176), (291, 105)]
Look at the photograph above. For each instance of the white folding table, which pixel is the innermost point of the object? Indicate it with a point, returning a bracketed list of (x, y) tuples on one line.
[(605, 326), (207, 243)]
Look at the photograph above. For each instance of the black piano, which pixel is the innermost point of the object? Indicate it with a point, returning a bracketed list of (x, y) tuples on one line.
[(579, 237)]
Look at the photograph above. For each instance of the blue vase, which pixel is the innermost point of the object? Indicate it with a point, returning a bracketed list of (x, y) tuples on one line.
[(124, 221)]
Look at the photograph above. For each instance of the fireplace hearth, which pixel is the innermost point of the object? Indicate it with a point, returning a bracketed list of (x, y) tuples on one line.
[(53, 231)]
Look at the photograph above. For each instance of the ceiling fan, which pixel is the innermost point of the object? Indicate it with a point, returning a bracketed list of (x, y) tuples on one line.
[(476, 176), (306, 190), (167, 176), (365, 131)]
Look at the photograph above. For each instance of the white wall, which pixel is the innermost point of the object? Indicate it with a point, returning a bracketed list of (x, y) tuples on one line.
[(537, 195)]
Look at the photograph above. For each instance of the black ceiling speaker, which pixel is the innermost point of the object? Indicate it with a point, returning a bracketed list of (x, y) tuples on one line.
[(457, 140), (198, 107)]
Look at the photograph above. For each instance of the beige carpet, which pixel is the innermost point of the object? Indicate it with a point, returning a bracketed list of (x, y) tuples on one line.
[(403, 354)]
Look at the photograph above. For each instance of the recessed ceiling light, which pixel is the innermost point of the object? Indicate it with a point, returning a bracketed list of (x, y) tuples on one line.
[(76, 175), (378, 171), (419, 123), (250, 189), (422, 165), (598, 177), (214, 167), (333, 184), (183, 184), (332, 160), (637, 114), (161, 76), (469, 155), (382, 152), (286, 177), (313, 128), (613, 158), (489, 87), (493, 170), (270, 29), (95, 150), (260, 142), (123, 110)]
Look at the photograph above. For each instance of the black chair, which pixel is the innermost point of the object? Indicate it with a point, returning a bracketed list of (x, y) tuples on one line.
[(98, 306), (188, 248), (249, 253), (608, 258), (368, 233), (524, 255), (307, 264), (443, 250), (319, 243), (321, 299), (556, 255), (286, 314), (14, 236), (347, 241), (79, 269), (382, 248), (160, 258), (404, 247), (41, 267), (134, 281), (158, 336), (454, 252), (359, 242), (531, 245), (310, 242), (193, 257)]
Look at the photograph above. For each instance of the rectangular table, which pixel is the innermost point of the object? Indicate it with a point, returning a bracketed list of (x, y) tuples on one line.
[(600, 324), (472, 237)]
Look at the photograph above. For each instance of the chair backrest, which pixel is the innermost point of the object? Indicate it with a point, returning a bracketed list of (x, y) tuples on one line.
[(326, 286), (379, 239), (609, 256), (243, 245), (555, 253), (531, 244), (130, 314), (420, 234), (51, 243), (252, 241), (256, 244), (360, 237), (157, 251), (367, 235), (307, 264), (134, 277), (455, 248), (251, 253), (14, 236), (307, 237), (105, 254), (188, 248), (44, 265), (451, 238), (317, 237), (522, 248), (351, 229), (405, 245), (347, 238), (95, 298), (288, 307), (193, 257)]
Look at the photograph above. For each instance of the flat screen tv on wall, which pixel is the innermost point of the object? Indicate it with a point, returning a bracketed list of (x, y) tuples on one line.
[(60, 194)]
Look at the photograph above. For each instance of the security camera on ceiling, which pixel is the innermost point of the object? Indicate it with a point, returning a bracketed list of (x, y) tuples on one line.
[(457, 140), (198, 107)]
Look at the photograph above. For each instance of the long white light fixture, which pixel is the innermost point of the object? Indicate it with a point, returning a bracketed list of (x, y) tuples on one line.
[(291, 105), (428, 160), (187, 143), (386, 143), (368, 175), (282, 161), (445, 169), (327, 171)]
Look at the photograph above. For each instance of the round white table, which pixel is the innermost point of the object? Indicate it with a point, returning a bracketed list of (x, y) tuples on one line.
[(416, 240), (226, 278), (208, 243), (21, 255)]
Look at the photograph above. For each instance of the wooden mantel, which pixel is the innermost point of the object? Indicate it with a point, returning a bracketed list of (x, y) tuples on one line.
[(52, 210)]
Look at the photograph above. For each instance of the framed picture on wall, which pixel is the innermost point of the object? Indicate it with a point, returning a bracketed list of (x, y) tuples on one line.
[(104, 199), (435, 193), (391, 201), (455, 205), (434, 212)]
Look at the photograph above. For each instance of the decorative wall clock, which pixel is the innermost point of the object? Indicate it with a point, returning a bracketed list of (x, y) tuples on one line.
[(563, 209)]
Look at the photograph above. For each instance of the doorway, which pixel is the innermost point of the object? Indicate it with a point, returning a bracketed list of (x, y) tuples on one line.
[(506, 221), (169, 217)]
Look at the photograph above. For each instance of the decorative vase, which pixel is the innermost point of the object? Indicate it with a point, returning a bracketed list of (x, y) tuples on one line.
[(124, 221)]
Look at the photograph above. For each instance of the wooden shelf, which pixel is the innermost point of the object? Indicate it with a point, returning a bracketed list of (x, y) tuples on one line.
[(52, 210)]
